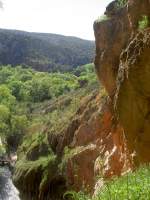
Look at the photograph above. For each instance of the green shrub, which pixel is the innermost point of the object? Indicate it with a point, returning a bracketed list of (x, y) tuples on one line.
[(6, 97), (19, 124), (2, 151), (121, 3), (76, 196), (4, 113), (133, 186), (143, 23)]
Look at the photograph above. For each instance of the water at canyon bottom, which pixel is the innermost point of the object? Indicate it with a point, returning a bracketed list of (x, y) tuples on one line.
[(7, 189)]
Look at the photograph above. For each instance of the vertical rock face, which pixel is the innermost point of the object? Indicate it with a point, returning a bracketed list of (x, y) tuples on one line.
[(133, 95), (123, 66), (98, 147), (111, 37), (136, 10)]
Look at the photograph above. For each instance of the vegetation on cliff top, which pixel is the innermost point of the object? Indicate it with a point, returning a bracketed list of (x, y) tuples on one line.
[(118, 4), (102, 18)]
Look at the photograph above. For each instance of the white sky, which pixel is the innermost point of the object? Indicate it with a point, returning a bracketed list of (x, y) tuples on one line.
[(67, 17)]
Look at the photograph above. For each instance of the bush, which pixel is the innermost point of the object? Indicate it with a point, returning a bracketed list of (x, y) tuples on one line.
[(76, 196), (4, 113), (134, 186), (19, 124), (121, 3), (15, 87), (6, 96)]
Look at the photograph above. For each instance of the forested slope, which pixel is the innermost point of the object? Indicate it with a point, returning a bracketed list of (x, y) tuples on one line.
[(44, 51)]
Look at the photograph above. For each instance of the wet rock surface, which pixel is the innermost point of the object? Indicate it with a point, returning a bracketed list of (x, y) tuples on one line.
[(7, 189)]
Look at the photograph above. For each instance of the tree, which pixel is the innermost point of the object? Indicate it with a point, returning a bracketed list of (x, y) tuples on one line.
[(4, 121), (15, 87), (4, 113), (6, 98), (19, 124), (5, 74)]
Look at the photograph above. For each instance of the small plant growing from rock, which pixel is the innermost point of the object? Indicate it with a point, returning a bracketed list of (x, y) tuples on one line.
[(102, 18), (121, 3), (143, 23), (71, 195)]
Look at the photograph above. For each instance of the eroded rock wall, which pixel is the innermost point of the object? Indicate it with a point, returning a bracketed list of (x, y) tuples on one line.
[(98, 147), (125, 73), (133, 95), (111, 36)]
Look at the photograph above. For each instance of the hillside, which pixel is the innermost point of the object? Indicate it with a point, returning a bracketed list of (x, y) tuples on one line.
[(44, 51), (36, 109), (40, 97)]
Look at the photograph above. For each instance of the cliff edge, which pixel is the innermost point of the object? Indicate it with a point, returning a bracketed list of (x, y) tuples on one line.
[(122, 65)]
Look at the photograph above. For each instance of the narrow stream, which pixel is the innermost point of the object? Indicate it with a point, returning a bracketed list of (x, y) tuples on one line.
[(7, 189)]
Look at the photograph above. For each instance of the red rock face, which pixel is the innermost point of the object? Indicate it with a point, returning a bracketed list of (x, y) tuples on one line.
[(80, 168), (111, 37), (122, 63), (98, 146), (112, 132)]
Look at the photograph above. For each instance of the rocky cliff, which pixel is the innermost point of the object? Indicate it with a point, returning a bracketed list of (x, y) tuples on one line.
[(122, 63), (109, 134)]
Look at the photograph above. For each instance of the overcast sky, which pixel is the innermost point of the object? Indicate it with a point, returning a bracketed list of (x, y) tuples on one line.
[(67, 17)]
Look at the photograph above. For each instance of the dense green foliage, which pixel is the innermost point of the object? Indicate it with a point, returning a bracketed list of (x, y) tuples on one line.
[(41, 117), (31, 86), (44, 52), (30, 100), (134, 186)]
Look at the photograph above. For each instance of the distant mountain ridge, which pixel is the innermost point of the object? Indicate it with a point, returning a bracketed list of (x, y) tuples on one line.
[(44, 51)]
